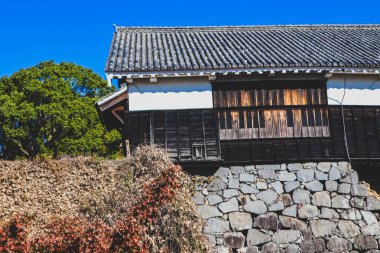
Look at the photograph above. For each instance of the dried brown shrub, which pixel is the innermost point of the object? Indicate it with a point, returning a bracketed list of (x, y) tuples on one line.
[(44, 189), (98, 189)]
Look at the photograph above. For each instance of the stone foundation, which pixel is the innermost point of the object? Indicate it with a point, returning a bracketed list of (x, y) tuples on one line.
[(290, 208)]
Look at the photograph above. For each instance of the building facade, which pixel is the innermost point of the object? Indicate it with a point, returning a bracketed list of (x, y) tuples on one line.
[(249, 94)]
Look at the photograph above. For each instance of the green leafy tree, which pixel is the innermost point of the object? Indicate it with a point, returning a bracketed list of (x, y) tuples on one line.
[(48, 110)]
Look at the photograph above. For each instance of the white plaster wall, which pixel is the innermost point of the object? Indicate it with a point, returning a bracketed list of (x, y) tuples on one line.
[(197, 93), (170, 94), (357, 90)]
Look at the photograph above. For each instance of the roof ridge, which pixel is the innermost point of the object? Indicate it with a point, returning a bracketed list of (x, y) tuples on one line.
[(245, 27)]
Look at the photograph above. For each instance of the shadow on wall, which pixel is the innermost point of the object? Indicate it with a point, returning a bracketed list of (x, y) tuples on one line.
[(204, 171), (369, 174)]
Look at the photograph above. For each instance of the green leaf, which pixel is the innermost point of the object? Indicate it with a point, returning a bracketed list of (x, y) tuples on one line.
[(49, 110)]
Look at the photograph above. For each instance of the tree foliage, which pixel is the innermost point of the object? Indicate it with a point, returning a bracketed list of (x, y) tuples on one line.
[(49, 110)]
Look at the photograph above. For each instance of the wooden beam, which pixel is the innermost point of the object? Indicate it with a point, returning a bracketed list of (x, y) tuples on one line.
[(126, 148), (212, 77)]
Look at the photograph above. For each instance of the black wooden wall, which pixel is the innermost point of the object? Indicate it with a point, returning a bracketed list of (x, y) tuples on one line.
[(193, 135), (187, 135)]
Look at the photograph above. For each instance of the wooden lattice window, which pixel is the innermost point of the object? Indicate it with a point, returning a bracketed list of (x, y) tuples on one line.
[(272, 109)]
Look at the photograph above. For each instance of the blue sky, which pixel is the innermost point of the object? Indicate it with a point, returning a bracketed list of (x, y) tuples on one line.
[(80, 31)]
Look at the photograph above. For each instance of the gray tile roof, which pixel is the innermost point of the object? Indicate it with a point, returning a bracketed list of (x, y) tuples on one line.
[(160, 49)]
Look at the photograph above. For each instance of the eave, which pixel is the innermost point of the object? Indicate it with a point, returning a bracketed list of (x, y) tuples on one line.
[(212, 73), (111, 108)]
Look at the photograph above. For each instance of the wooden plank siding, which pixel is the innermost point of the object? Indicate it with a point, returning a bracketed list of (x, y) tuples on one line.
[(362, 124), (278, 116), (187, 135)]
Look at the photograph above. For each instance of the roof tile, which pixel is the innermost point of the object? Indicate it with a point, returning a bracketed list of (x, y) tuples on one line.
[(138, 49)]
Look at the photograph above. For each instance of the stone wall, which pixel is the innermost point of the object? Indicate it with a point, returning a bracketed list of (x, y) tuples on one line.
[(306, 207)]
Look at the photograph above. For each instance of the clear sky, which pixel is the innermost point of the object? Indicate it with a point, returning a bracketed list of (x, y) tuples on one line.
[(80, 31)]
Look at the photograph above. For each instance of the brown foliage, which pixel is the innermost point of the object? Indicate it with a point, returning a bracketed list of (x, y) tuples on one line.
[(71, 201)]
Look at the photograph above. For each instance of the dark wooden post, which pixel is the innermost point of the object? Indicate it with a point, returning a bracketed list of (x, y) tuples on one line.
[(125, 140)]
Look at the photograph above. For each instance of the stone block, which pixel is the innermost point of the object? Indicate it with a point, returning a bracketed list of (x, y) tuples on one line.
[(351, 178), (291, 248), (268, 196), (295, 166), (350, 214), (310, 165), (256, 207), (321, 176), (236, 170), (344, 188), (278, 206), (373, 203), (286, 199), (301, 196), (206, 212), (231, 205), (340, 201), (240, 221), (277, 186), (267, 174), (292, 223), (222, 249), (270, 247), (261, 185), (251, 249), (233, 183), (345, 168), (229, 193), (210, 239), (321, 199), (359, 190), (198, 198), (223, 172), (308, 211), (244, 199), (348, 228), (290, 211), (307, 234), (285, 176), (216, 226), (369, 217), (331, 186), (214, 199), (266, 221), (234, 240), (365, 242), (334, 174), (286, 236), (257, 237), (312, 246), (250, 168), (358, 202), (247, 177), (314, 186), (336, 244), (327, 213), (324, 166), (216, 184), (373, 230), (290, 186), (269, 166), (322, 228), (246, 189), (305, 175)]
